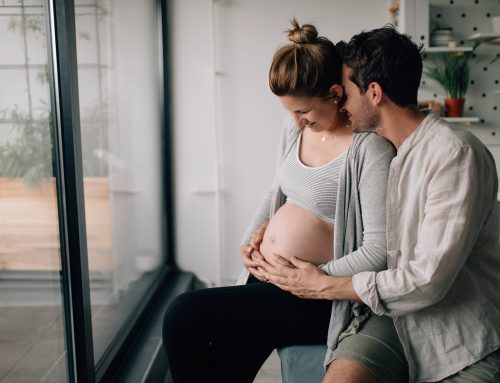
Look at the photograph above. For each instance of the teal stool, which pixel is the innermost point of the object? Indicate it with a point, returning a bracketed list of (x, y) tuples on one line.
[(302, 364)]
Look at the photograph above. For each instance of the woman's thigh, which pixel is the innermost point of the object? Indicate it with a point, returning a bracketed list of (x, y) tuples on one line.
[(225, 334), (249, 314)]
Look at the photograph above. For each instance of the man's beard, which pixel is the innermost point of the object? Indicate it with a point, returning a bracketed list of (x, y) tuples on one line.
[(366, 124)]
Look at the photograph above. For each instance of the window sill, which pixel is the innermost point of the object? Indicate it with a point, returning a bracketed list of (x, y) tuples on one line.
[(145, 360)]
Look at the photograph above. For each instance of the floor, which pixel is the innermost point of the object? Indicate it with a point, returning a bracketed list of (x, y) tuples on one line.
[(270, 371), (32, 333), (32, 344)]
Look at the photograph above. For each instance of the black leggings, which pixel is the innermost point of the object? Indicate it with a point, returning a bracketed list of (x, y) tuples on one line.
[(225, 334)]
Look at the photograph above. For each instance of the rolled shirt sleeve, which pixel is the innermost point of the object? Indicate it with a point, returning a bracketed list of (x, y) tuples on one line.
[(366, 287)]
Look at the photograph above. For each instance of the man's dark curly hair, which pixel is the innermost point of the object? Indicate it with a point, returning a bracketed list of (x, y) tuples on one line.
[(387, 57)]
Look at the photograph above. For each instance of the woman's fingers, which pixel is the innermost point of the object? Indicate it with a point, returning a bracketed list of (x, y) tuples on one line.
[(258, 236), (252, 240), (256, 255), (261, 230), (246, 249), (246, 256)]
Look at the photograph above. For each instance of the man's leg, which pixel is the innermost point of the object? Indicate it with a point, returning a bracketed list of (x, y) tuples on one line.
[(487, 370), (225, 334), (368, 351), (348, 371)]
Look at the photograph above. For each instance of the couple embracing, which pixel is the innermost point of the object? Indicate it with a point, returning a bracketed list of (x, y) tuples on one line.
[(378, 236)]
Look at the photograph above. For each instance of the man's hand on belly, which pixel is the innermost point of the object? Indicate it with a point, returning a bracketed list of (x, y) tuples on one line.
[(306, 280), (302, 279)]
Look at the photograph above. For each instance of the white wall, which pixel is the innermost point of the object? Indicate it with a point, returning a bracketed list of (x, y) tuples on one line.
[(226, 126)]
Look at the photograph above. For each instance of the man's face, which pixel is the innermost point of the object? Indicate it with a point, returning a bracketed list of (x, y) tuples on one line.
[(361, 112)]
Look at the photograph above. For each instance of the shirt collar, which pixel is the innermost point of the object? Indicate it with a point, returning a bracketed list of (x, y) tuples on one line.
[(413, 139)]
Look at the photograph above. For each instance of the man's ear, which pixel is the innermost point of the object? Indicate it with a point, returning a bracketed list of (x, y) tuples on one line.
[(375, 93)]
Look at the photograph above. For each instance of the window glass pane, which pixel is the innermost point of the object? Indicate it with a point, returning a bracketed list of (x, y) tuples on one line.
[(119, 91), (32, 340)]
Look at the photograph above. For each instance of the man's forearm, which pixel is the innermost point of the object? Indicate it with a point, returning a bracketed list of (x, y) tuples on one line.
[(339, 288)]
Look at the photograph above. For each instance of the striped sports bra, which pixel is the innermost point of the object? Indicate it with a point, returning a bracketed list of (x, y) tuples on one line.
[(312, 188)]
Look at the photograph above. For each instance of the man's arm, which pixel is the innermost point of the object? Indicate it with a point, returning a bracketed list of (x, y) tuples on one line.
[(460, 194)]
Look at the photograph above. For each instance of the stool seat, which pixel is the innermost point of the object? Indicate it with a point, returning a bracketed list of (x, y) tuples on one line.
[(302, 364)]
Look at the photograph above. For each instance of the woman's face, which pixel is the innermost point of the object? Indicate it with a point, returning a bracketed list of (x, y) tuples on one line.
[(317, 114)]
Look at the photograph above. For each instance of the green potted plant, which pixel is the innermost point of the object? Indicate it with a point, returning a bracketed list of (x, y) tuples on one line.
[(452, 72)]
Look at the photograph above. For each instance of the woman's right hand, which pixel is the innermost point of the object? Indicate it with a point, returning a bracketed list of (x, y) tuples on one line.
[(250, 263), (258, 236), (247, 250)]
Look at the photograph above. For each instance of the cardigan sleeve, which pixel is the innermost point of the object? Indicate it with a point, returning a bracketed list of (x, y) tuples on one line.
[(263, 212), (261, 215), (372, 167)]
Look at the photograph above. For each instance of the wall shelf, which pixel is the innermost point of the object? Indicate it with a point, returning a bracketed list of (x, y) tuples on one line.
[(458, 3), (488, 38), (471, 23), (462, 120), (447, 49)]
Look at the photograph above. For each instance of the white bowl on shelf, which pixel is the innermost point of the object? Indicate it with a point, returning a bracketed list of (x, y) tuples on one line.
[(441, 37)]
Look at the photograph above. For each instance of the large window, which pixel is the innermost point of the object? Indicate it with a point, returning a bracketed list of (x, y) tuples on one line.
[(32, 341), (119, 94), (61, 303)]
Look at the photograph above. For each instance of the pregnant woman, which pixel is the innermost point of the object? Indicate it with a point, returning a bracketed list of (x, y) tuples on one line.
[(326, 206)]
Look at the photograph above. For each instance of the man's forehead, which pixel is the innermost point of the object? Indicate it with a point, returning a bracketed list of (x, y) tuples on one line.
[(346, 71)]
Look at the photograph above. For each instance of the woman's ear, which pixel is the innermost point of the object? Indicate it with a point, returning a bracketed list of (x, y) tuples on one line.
[(336, 93)]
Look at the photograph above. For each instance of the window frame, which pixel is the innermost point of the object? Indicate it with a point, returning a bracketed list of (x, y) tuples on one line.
[(71, 207)]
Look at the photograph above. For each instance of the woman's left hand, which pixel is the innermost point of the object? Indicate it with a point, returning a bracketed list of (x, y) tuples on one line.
[(300, 278)]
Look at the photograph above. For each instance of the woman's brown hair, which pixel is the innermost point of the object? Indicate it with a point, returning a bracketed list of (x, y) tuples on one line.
[(307, 66)]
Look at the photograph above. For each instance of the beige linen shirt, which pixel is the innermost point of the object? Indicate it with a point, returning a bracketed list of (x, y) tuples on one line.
[(442, 286)]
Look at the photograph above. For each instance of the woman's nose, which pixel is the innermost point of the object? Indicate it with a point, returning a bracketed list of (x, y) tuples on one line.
[(296, 117)]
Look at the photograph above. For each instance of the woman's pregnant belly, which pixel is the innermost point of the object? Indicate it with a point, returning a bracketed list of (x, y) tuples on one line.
[(294, 231)]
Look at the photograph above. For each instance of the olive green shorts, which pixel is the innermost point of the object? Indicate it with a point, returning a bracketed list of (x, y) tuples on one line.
[(374, 343), (487, 370)]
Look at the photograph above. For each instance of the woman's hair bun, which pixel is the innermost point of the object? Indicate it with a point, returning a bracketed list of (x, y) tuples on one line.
[(307, 66), (307, 34)]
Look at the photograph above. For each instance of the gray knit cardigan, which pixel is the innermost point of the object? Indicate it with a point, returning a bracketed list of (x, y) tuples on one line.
[(359, 236)]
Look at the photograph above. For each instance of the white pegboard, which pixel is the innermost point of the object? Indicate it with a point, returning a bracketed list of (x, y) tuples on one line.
[(467, 17)]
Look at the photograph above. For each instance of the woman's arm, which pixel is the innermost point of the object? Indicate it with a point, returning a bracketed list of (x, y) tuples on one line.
[(373, 162), (255, 231), (261, 215)]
